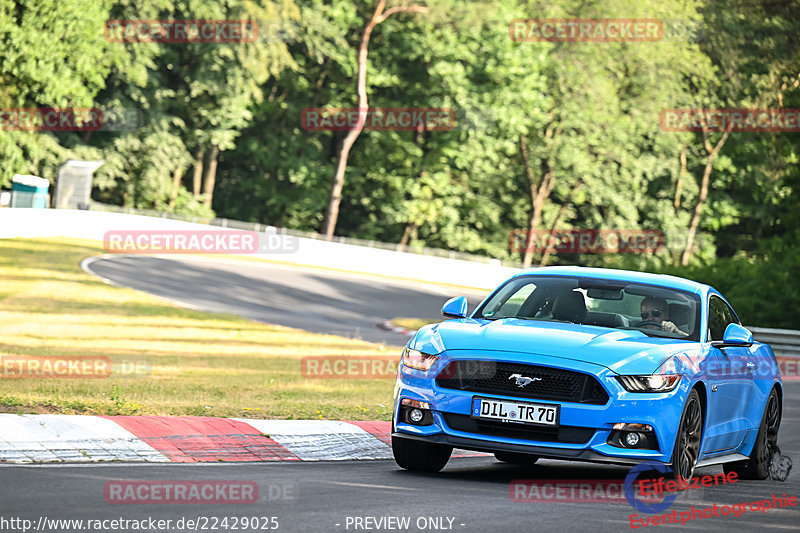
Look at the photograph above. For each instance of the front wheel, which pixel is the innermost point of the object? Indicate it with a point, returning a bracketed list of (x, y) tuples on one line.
[(687, 443), (420, 456), (757, 466)]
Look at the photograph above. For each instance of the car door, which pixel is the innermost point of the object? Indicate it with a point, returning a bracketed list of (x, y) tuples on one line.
[(731, 380)]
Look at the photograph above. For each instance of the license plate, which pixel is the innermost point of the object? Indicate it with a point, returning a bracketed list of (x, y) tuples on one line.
[(520, 412)]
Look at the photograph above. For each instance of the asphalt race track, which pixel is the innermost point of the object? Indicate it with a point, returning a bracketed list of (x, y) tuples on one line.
[(319, 497), (471, 494), (315, 300)]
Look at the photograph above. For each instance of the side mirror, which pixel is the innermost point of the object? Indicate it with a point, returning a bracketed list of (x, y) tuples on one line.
[(455, 307), (735, 335)]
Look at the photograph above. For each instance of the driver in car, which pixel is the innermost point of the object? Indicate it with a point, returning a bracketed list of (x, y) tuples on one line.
[(655, 315)]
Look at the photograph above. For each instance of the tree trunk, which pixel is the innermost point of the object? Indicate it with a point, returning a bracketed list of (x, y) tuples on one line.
[(410, 228), (556, 221), (539, 191), (211, 175), (701, 200), (199, 155), (176, 184), (332, 213), (679, 184)]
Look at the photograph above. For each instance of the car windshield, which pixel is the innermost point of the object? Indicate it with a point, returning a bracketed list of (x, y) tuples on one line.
[(653, 310)]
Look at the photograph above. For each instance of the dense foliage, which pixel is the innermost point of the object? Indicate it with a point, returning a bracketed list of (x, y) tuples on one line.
[(547, 134)]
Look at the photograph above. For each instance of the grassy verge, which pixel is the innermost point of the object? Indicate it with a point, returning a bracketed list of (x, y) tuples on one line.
[(189, 362), (411, 323)]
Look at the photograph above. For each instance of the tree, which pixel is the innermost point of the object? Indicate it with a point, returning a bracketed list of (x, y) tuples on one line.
[(756, 51), (197, 97), (52, 54), (379, 15)]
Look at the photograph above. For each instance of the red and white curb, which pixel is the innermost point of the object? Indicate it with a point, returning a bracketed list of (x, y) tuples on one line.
[(188, 439)]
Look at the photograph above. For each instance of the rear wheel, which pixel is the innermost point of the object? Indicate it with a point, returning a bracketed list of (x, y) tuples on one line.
[(516, 458), (420, 456), (757, 467), (687, 444)]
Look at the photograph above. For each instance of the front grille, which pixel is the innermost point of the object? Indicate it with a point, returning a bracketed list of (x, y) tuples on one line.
[(494, 377), (565, 434)]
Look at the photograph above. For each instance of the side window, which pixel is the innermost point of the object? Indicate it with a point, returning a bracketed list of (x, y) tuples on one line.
[(512, 305), (732, 318), (719, 316)]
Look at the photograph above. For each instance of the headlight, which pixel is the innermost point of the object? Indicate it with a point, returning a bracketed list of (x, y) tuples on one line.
[(650, 383), (418, 360)]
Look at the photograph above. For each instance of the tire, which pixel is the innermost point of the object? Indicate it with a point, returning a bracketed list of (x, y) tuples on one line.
[(686, 451), (757, 466), (516, 458), (420, 456)]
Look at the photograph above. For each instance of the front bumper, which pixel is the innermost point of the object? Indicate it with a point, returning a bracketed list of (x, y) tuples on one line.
[(493, 446), (584, 429)]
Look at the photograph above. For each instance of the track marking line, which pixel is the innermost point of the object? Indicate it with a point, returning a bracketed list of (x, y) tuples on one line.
[(368, 485)]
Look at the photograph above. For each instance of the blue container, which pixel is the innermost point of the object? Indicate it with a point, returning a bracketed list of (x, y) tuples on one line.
[(29, 191)]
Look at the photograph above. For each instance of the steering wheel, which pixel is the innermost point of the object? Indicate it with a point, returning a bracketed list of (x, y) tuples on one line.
[(648, 323)]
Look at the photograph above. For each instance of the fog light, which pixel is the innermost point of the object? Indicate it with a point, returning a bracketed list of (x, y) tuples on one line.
[(415, 415), (632, 439)]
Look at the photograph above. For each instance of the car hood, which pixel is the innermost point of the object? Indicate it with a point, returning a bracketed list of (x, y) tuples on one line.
[(622, 351)]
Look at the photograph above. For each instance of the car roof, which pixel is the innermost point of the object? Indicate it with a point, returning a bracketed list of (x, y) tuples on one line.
[(662, 280)]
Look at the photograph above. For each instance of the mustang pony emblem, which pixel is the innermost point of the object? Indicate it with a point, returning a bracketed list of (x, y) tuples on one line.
[(522, 381)]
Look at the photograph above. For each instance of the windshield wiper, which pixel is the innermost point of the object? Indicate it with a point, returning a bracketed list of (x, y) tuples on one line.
[(531, 318)]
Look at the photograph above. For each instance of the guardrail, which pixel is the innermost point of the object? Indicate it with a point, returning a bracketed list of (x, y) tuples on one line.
[(94, 224), (254, 226), (784, 342)]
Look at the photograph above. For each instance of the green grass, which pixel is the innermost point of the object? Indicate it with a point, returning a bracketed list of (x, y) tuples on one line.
[(195, 363), (412, 323)]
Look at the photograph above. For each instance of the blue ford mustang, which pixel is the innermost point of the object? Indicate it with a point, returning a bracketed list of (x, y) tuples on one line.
[(592, 365)]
